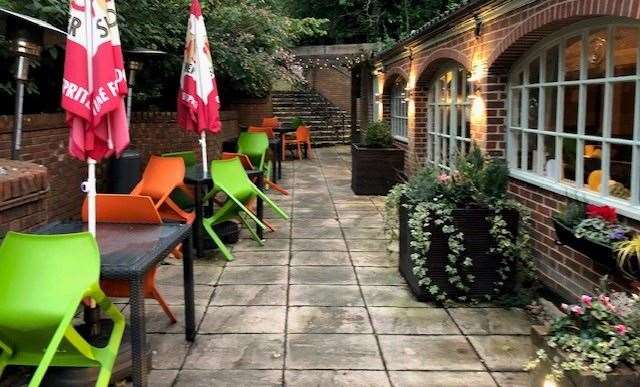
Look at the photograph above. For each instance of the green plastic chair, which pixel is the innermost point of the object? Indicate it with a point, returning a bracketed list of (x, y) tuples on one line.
[(231, 178), (43, 280), (256, 147), (182, 199)]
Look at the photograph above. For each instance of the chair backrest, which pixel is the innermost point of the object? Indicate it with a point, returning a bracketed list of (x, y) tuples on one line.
[(244, 159), (189, 157), (160, 177), (254, 145), (594, 180), (123, 209), (42, 275), (262, 129), (303, 133), (231, 176), (271, 122)]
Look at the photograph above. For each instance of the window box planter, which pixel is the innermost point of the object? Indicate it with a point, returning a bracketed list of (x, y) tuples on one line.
[(374, 171), (598, 252), (623, 376), (477, 243)]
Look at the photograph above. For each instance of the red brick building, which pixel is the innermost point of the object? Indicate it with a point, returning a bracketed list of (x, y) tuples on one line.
[(551, 85)]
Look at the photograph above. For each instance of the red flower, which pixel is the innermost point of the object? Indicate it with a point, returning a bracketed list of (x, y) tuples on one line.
[(605, 212)]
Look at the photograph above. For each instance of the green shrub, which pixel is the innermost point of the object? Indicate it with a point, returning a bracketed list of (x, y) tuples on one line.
[(297, 122), (378, 135)]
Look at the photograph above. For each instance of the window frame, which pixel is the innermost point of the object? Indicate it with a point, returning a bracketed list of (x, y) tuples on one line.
[(399, 110), (450, 137), (629, 208)]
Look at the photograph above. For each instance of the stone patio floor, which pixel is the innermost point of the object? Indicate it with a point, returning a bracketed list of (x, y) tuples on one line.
[(323, 304)]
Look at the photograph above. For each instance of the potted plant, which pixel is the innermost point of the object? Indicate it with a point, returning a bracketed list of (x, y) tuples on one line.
[(597, 343), (376, 164), (596, 232), (461, 238)]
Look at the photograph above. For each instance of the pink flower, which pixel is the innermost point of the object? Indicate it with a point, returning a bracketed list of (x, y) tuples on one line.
[(621, 329), (586, 301), (444, 178), (564, 307), (577, 310), (606, 301)]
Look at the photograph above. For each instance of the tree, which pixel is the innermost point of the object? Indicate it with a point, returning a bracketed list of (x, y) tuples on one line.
[(250, 41)]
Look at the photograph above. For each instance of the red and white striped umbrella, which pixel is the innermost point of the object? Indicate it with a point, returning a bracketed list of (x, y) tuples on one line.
[(198, 99), (94, 88)]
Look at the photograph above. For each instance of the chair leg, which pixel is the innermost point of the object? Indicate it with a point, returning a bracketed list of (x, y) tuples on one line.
[(309, 154), (299, 151), (177, 252), (253, 233), (104, 376), (216, 239), (155, 294), (283, 155), (277, 187)]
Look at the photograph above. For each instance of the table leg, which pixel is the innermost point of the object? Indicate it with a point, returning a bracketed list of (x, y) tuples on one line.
[(274, 167), (280, 160), (189, 298), (260, 205), (138, 333), (197, 227)]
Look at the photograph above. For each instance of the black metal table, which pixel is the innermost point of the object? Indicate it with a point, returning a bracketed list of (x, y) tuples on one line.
[(202, 184), (128, 252)]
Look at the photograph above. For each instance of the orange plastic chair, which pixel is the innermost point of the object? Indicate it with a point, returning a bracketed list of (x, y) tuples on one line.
[(161, 176), (302, 137), (262, 129), (272, 122), (129, 209)]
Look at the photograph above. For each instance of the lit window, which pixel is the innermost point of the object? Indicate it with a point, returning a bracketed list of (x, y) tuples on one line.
[(399, 116), (574, 115), (449, 117)]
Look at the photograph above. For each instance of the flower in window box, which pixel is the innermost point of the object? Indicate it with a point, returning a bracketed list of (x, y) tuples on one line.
[(605, 212)]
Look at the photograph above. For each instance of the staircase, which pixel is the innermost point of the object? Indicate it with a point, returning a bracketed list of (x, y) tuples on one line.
[(329, 124)]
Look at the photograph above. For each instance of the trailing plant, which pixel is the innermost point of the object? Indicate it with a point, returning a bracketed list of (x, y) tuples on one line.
[(378, 135), (628, 256), (601, 231), (572, 214), (597, 335), (431, 198)]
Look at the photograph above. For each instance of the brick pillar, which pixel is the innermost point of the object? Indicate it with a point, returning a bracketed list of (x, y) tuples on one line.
[(490, 130)]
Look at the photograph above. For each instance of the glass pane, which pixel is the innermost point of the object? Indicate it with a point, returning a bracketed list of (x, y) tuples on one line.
[(516, 105), (625, 51), (571, 99), (462, 77), (551, 108), (624, 99), (467, 147), (532, 151), (572, 58), (534, 71), (620, 165), (597, 54), (517, 80), (467, 122), (533, 108), (568, 160), (516, 148), (551, 69), (594, 110), (550, 164), (592, 165), (444, 151)]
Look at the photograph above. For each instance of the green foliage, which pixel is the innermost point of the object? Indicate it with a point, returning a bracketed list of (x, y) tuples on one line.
[(297, 122), (600, 230), (357, 21), (597, 335), (572, 214), (249, 38), (378, 135), (628, 256)]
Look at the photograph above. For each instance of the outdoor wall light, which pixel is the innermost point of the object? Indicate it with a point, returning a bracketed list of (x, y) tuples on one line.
[(478, 28), (27, 36)]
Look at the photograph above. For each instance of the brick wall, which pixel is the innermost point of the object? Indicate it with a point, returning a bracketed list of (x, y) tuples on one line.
[(506, 35), (45, 140), (251, 111), (333, 84)]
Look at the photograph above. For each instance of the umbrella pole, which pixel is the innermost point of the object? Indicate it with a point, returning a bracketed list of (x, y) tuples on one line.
[(91, 195), (203, 147)]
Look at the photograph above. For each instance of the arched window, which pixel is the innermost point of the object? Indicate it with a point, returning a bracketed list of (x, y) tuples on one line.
[(574, 116), (399, 117), (449, 117)]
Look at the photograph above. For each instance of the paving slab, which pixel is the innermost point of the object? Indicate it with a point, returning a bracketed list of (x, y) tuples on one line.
[(511, 379), (398, 296), (320, 258), (374, 258), (250, 295), (333, 351), (169, 350), (236, 351), (503, 353), (325, 275), (441, 379), (229, 378), (341, 378), (260, 258), (244, 319), (412, 321), (491, 321), (254, 275), (318, 244), (379, 276), (203, 275), (328, 320), (325, 295)]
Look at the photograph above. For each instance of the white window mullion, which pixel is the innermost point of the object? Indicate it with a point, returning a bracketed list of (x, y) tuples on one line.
[(437, 124), (635, 165), (539, 167), (607, 116), (453, 117), (524, 117), (582, 110)]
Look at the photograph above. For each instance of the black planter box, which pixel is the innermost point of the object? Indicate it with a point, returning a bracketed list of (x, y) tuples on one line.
[(477, 243), (375, 171)]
